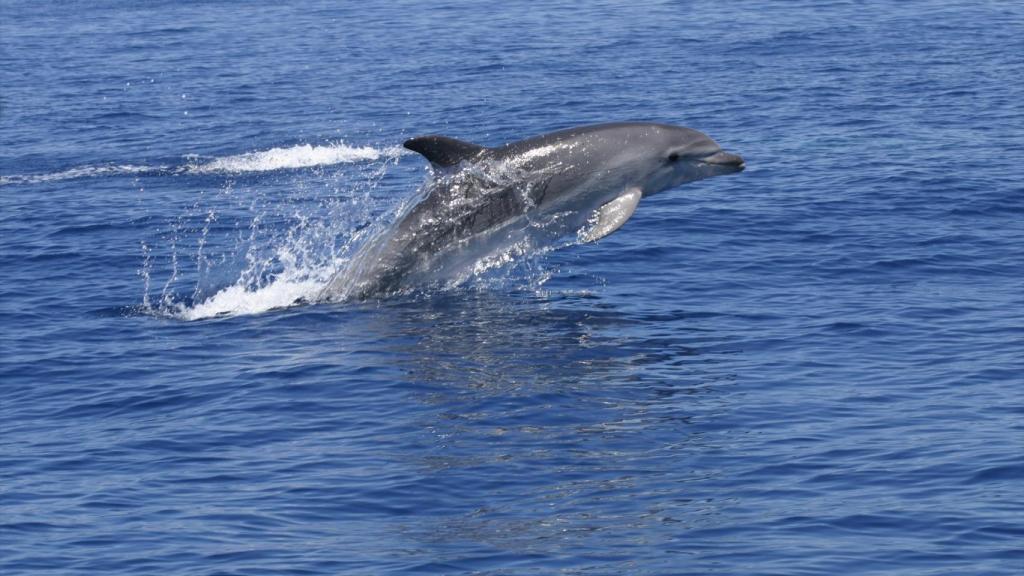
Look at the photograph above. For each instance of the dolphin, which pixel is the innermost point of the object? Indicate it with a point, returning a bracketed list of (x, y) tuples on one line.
[(481, 202)]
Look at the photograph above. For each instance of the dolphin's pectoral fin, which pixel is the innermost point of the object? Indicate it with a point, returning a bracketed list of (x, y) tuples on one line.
[(611, 216), (442, 150)]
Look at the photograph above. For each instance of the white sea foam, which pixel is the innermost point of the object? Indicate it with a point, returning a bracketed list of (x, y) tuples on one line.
[(300, 156), (239, 299), (297, 282), (321, 253)]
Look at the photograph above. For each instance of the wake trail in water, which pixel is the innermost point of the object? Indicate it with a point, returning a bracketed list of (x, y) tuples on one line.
[(293, 157)]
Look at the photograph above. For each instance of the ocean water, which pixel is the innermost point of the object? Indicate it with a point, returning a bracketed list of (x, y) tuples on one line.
[(812, 367)]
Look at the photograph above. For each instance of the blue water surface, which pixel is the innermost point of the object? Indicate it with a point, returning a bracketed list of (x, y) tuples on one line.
[(811, 367)]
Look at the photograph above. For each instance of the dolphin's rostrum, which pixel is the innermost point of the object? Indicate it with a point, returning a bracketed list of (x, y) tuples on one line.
[(483, 202)]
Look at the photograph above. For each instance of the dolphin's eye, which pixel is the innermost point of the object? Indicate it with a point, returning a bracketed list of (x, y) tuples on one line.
[(673, 157)]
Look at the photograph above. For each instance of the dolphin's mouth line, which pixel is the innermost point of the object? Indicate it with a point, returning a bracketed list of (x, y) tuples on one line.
[(723, 158)]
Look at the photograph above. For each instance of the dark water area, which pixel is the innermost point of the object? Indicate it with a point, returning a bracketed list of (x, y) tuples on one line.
[(811, 367)]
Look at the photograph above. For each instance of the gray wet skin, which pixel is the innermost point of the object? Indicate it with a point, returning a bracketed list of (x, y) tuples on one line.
[(548, 186)]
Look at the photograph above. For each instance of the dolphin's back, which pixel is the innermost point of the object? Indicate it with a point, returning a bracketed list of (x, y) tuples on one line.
[(617, 132), (444, 151)]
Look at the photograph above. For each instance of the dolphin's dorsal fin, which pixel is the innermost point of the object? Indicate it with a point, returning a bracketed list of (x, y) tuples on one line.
[(442, 150), (611, 216)]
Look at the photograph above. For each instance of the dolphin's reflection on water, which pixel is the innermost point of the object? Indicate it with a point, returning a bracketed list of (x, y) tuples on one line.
[(548, 421)]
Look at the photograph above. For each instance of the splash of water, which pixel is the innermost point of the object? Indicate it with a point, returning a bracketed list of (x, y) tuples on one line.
[(264, 244), (323, 240)]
